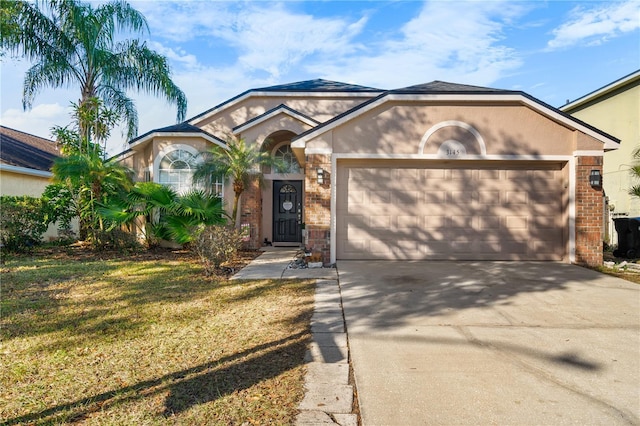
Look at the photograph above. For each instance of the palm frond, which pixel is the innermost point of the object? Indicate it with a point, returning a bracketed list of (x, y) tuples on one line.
[(121, 16), (635, 191), (138, 67), (203, 206), (46, 73), (122, 105)]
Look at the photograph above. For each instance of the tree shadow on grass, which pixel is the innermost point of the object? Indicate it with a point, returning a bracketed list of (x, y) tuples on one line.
[(189, 387), (47, 288)]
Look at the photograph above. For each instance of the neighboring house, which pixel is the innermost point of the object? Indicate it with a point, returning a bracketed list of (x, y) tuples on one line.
[(615, 108), (433, 171), (25, 165)]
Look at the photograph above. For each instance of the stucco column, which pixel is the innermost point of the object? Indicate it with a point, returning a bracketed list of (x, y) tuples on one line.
[(589, 204), (317, 214)]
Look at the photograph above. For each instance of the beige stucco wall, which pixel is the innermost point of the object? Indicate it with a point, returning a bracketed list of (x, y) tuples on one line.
[(506, 130), (262, 131), (22, 184), (618, 115)]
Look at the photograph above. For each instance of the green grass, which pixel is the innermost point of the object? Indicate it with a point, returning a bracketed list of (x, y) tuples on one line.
[(138, 341)]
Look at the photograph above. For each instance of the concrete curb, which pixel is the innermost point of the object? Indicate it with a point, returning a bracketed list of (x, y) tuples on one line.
[(328, 396)]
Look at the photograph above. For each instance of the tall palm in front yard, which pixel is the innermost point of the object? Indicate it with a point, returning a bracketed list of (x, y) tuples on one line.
[(73, 43)]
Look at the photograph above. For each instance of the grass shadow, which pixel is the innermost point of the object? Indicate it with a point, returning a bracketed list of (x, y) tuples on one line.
[(192, 386)]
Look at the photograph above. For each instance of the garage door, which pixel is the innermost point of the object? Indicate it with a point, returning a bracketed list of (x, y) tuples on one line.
[(401, 210)]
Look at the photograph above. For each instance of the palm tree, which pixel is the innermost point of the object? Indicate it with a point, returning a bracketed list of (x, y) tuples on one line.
[(73, 43), (240, 162)]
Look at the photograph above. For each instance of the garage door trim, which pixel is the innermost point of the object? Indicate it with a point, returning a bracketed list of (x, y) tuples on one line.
[(570, 160)]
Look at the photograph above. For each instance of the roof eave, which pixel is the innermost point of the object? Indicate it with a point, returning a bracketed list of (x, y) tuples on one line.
[(603, 91), (25, 171), (154, 134)]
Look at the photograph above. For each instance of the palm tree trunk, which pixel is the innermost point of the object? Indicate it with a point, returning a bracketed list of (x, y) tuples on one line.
[(236, 203)]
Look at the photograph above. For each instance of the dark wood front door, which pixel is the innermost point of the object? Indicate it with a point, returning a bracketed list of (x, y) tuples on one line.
[(287, 211)]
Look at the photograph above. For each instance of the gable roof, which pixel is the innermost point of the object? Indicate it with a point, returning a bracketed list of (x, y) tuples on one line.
[(445, 91), (280, 109), (27, 151), (183, 129), (319, 86)]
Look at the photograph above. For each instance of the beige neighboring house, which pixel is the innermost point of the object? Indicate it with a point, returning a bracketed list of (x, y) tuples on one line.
[(615, 108), (433, 171), (25, 165)]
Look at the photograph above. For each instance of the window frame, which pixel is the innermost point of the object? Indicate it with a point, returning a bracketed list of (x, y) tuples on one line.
[(217, 186)]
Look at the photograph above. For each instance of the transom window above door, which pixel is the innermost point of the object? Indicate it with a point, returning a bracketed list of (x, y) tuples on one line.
[(286, 156)]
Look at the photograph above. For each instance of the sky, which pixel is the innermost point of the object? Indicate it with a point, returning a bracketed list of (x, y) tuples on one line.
[(553, 50)]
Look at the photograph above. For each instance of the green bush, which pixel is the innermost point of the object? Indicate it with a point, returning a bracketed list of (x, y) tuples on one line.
[(22, 222), (216, 245), (59, 206)]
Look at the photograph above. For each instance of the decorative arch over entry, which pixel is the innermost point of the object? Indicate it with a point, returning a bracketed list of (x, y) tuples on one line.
[(278, 144), (453, 147)]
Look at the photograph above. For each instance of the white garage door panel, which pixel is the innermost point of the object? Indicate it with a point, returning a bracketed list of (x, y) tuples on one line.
[(433, 213)]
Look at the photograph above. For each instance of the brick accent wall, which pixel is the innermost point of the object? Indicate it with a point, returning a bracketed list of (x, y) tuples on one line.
[(251, 213), (589, 207), (317, 214)]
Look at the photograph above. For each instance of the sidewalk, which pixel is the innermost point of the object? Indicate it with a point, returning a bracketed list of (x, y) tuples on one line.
[(328, 396)]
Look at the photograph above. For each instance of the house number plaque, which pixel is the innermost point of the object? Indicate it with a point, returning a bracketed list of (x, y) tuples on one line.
[(452, 149), (287, 205)]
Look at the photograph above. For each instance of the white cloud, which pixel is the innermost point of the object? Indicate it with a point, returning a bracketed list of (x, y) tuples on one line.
[(181, 21), (266, 37), (37, 121), (597, 25), (179, 56), (439, 43), (274, 39)]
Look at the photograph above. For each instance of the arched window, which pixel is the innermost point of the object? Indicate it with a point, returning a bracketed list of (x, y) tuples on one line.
[(176, 170), (285, 154)]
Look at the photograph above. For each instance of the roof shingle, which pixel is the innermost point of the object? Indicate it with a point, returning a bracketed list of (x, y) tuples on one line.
[(25, 150), (318, 85), (446, 87)]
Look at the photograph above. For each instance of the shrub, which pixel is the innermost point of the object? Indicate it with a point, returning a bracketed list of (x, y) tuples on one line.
[(59, 207), (216, 245), (22, 222)]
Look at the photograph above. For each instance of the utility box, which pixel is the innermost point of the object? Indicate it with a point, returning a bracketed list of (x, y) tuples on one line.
[(628, 229)]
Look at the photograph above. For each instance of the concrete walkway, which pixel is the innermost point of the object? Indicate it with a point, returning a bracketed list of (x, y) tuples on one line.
[(274, 264), (328, 396)]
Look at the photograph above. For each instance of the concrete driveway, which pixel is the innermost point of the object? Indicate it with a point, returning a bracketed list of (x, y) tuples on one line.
[(455, 343)]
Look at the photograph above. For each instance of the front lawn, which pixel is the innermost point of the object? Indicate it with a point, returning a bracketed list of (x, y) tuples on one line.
[(148, 341)]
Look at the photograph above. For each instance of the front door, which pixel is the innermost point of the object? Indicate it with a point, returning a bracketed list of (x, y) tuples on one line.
[(287, 211)]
